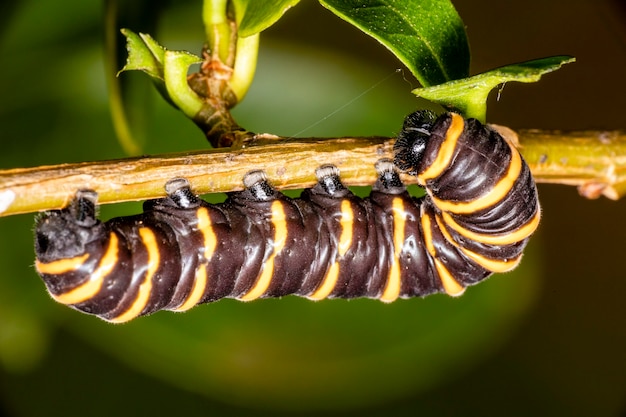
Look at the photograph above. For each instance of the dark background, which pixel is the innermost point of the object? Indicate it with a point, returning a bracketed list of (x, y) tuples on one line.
[(546, 340)]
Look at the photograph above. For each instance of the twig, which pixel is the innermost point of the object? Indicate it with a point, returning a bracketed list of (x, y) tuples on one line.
[(594, 161)]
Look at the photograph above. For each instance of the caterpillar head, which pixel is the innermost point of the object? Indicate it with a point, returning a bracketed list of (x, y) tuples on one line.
[(412, 139), (64, 233)]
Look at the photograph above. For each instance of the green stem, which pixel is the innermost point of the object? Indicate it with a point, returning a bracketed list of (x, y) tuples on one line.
[(217, 28), (175, 70), (225, 46), (245, 65)]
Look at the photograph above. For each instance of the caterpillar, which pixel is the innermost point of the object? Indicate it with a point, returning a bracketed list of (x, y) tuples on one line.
[(478, 213)]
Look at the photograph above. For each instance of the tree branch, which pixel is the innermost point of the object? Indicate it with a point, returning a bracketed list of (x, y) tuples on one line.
[(594, 161)]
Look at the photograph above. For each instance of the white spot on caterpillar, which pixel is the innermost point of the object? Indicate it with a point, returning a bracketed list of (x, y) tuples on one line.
[(6, 198)]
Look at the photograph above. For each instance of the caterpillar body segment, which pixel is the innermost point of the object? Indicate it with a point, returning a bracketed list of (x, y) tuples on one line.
[(480, 208)]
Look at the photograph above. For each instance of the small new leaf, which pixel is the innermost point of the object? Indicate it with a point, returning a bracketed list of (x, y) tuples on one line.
[(167, 69), (427, 36), (144, 54), (469, 95)]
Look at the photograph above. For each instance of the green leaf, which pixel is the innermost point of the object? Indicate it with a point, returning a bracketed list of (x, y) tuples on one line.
[(428, 36), (469, 95), (254, 16), (144, 54)]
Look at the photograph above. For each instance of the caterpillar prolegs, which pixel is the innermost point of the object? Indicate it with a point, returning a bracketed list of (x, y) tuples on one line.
[(479, 210)]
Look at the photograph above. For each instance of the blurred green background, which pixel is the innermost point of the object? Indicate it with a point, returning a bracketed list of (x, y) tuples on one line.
[(546, 340)]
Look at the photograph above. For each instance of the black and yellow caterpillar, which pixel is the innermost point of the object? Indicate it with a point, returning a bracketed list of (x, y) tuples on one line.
[(480, 209)]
